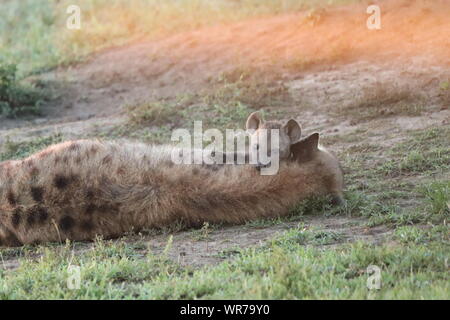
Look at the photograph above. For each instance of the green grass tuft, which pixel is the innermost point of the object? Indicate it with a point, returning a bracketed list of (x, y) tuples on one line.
[(19, 150), (15, 98)]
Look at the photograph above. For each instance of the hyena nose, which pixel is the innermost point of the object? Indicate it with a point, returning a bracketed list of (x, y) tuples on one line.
[(338, 200)]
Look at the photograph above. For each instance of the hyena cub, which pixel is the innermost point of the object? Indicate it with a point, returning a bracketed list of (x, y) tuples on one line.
[(262, 143), (261, 133)]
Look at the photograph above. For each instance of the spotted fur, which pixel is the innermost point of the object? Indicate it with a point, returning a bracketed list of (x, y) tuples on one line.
[(116, 188)]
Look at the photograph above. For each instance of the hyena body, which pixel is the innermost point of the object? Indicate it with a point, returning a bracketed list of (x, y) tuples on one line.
[(78, 190)]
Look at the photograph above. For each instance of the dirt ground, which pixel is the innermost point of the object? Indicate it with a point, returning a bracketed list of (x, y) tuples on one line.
[(325, 59)]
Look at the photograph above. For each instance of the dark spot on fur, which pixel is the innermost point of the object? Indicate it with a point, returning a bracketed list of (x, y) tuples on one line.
[(108, 209), (16, 217), (42, 214), (195, 171), (90, 194), (66, 223), (36, 214), (61, 181), (31, 217), (121, 170), (146, 179), (37, 193), (11, 197), (93, 150), (86, 226), (213, 167), (57, 159), (74, 147), (11, 240), (90, 209), (107, 159), (34, 171), (169, 164), (65, 159)]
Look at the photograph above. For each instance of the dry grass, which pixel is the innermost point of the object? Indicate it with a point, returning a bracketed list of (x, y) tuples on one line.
[(444, 94), (253, 88), (383, 100)]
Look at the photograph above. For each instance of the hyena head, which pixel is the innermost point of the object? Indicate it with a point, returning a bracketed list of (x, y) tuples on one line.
[(260, 132), (322, 163)]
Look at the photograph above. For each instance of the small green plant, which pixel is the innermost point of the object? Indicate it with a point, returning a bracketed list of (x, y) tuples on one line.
[(437, 195), (445, 85), (203, 233), (17, 99), (313, 205), (417, 161), (305, 236), (417, 235)]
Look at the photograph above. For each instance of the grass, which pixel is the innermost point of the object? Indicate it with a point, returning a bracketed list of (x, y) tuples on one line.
[(254, 88), (384, 202), (303, 262), (415, 235), (203, 233), (379, 188), (304, 236), (284, 269), (417, 162), (437, 195), (154, 121), (153, 113), (232, 97), (17, 98), (444, 94), (426, 151), (19, 150), (383, 100)]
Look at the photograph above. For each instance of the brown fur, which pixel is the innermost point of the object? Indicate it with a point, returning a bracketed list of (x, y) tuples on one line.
[(115, 188)]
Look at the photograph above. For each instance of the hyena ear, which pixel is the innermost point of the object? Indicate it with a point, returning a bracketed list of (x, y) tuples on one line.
[(253, 121), (305, 149), (293, 130)]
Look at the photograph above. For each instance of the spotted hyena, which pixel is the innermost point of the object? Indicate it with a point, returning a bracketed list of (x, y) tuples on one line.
[(78, 190)]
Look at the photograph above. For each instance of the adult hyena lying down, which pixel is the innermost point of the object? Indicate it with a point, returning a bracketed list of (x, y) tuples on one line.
[(77, 190)]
